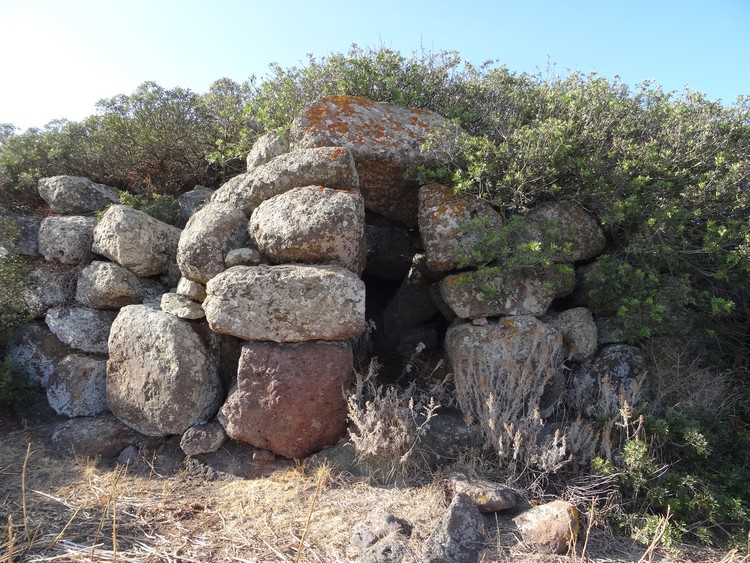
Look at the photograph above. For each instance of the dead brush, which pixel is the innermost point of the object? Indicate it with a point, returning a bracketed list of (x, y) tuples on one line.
[(388, 425)]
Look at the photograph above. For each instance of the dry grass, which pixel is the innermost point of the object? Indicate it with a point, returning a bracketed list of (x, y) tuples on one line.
[(76, 510)]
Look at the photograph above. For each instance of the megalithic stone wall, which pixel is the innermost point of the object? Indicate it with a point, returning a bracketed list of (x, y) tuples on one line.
[(268, 291)]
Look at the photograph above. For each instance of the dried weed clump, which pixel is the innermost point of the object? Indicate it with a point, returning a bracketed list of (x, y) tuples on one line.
[(388, 425)]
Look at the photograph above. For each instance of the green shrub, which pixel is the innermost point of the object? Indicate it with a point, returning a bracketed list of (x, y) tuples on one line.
[(162, 207)]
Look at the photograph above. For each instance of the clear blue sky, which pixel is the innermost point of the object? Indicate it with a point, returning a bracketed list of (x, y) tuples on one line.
[(60, 56)]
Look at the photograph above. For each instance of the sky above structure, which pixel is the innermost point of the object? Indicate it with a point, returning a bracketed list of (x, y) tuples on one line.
[(60, 57)]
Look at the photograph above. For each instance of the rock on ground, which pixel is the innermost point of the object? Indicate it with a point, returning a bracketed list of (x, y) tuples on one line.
[(549, 528), (181, 306), (203, 438), (289, 397), (36, 351), (160, 377), (459, 535), (267, 147)]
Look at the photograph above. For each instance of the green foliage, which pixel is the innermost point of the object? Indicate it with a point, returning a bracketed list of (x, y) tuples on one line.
[(162, 207), (693, 463), (13, 280)]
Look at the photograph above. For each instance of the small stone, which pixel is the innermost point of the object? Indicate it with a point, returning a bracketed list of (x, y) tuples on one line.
[(192, 290), (203, 438), (244, 257), (487, 496), (459, 535), (549, 528), (181, 306)]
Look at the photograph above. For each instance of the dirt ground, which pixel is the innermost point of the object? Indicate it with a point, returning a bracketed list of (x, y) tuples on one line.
[(164, 507)]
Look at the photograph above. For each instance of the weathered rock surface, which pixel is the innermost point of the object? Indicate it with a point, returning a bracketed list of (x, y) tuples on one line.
[(389, 252), (549, 528), (191, 202), (286, 303), (67, 239), (50, 284), (575, 234), (36, 351), (380, 537), (385, 140), (616, 369), (181, 306), (579, 332), (81, 328), (487, 496), (288, 398), (75, 194), (19, 234), (102, 435), (312, 225), (488, 294), (105, 285), (208, 236), (459, 535), (267, 147), (203, 438), (160, 378), (192, 290), (244, 257), (332, 167), (136, 241), (444, 218), (509, 358), (78, 386)]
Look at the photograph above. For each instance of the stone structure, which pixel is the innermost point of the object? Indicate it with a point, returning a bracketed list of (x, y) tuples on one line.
[(284, 262)]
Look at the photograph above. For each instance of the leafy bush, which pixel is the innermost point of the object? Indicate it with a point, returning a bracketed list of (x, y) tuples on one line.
[(162, 207)]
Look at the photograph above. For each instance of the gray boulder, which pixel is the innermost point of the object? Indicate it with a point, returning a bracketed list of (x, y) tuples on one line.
[(67, 239), (75, 194), (101, 435), (37, 351), (511, 360), (579, 332), (51, 284), (19, 234), (192, 201), (266, 147), (209, 234), (288, 398), (459, 536), (486, 495), (81, 328), (78, 386), (332, 167), (105, 285), (489, 294), (136, 241), (444, 219), (575, 234), (385, 141), (246, 256), (286, 303), (312, 225), (161, 379)]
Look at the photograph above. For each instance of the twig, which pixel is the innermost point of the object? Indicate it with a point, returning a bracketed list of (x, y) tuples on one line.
[(11, 538), (23, 489), (309, 517), (588, 530)]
